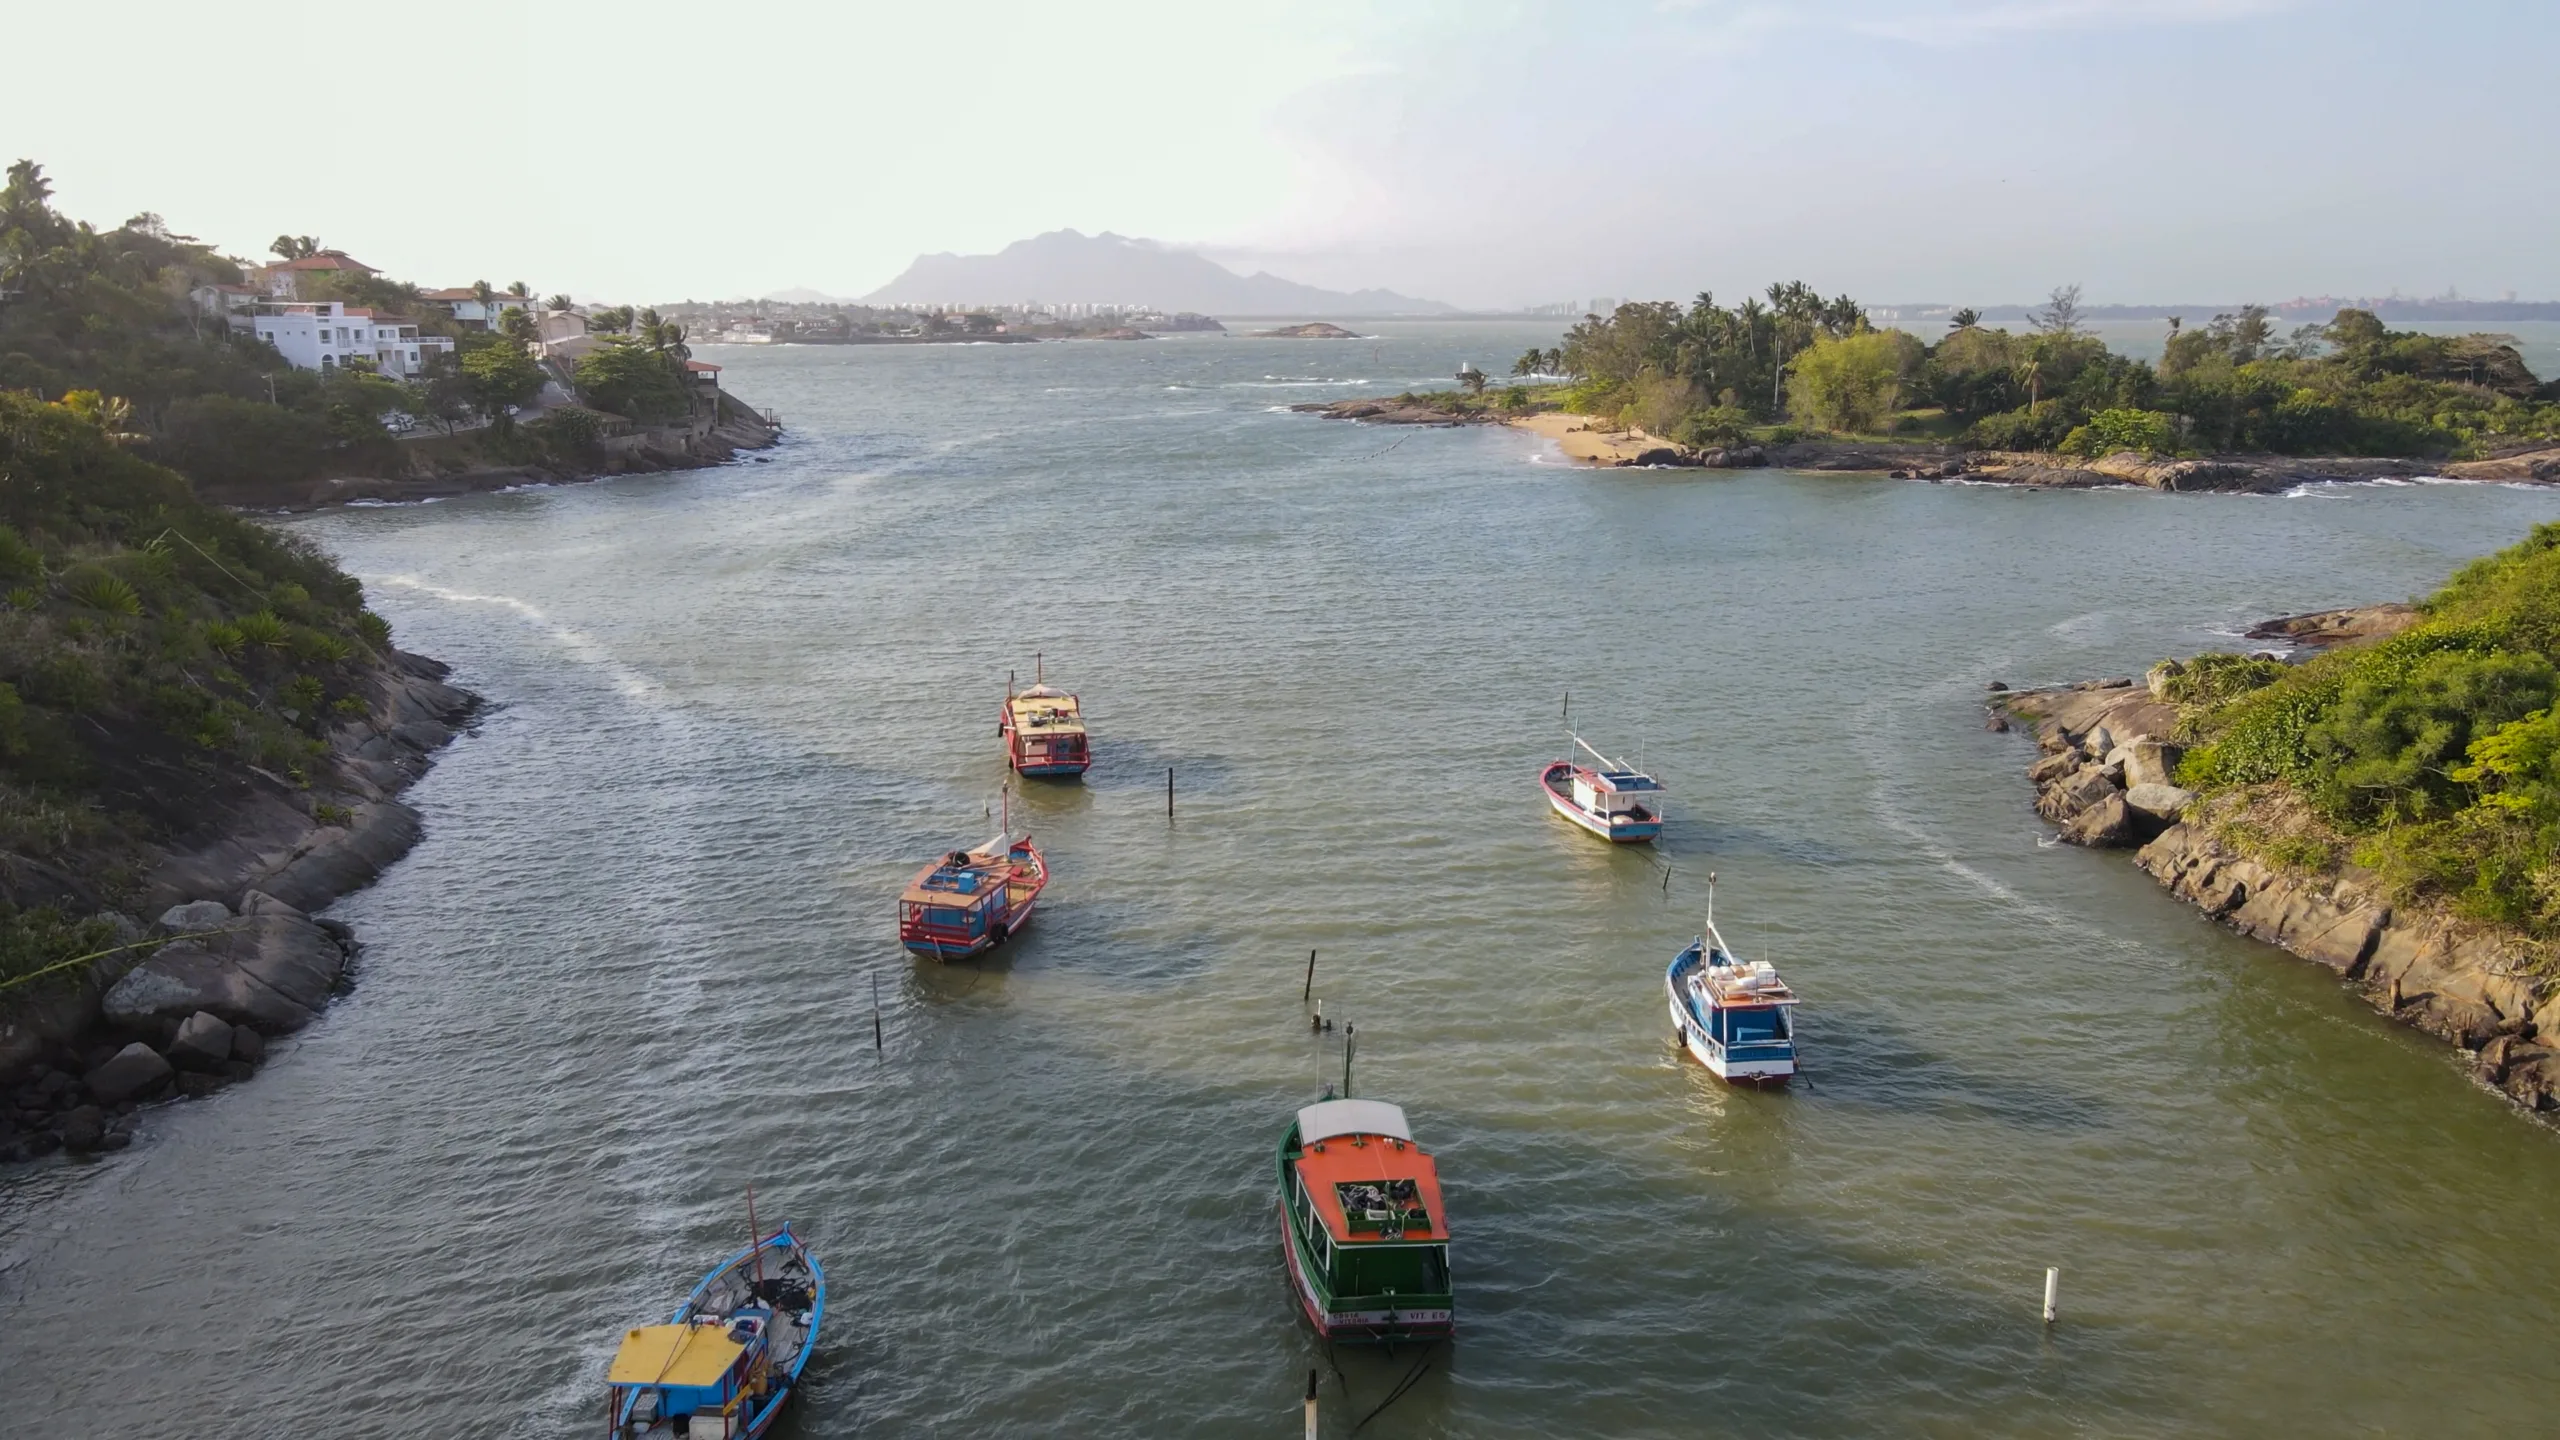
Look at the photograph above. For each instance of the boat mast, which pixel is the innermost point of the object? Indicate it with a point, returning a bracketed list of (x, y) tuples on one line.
[(1605, 762), (755, 1236), (1039, 670)]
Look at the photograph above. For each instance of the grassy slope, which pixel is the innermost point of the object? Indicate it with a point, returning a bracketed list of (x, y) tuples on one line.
[(155, 654), (2432, 757)]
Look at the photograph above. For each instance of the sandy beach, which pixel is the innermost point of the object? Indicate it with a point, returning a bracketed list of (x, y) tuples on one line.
[(1579, 437)]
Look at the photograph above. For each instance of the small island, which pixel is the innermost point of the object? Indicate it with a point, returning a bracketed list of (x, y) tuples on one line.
[(1805, 383), (1312, 330)]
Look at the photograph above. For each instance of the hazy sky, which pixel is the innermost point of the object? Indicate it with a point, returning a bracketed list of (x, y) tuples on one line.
[(1485, 153)]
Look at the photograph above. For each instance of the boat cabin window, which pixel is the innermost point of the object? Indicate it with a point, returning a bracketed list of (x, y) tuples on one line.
[(943, 915), (1741, 1027)]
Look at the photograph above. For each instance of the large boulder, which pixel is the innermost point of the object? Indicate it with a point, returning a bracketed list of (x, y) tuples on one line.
[(83, 1129), (203, 1043), (274, 971), (134, 1071), (2151, 762), (2065, 799), (2052, 767), (2103, 825), (2163, 803), (195, 915)]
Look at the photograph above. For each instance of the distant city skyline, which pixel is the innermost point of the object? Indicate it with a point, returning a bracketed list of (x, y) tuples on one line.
[(1493, 155)]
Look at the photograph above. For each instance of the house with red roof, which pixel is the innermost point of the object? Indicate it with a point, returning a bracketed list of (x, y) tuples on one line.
[(283, 279)]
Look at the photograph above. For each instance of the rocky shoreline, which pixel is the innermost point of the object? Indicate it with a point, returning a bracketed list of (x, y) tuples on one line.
[(438, 468), (1925, 460), (2106, 778), (239, 959)]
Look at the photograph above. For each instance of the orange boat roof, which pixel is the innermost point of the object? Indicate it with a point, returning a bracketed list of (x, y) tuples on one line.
[(1370, 1159)]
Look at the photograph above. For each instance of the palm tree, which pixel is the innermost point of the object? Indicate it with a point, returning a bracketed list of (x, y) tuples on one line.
[(520, 290), (1965, 319), (558, 303), (294, 247)]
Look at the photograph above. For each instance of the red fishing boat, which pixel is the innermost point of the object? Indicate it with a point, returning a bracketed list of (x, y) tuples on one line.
[(972, 900), (1043, 730)]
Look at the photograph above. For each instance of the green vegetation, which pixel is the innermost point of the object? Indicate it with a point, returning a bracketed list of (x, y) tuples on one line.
[(642, 376), (2350, 387), (2432, 756), (109, 314), (154, 650)]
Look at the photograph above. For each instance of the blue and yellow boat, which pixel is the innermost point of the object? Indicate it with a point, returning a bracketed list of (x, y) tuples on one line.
[(724, 1365)]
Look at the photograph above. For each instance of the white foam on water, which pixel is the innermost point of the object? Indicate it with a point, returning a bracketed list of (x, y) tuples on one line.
[(579, 646)]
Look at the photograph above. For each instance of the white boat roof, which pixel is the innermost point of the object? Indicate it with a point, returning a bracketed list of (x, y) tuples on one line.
[(1328, 1118)]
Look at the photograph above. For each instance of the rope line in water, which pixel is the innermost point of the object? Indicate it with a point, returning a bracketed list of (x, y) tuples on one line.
[(1411, 1377)]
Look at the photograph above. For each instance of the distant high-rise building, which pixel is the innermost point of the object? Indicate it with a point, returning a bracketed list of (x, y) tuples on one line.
[(1604, 305)]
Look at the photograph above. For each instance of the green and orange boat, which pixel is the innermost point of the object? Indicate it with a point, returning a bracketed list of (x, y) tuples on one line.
[(1362, 1225)]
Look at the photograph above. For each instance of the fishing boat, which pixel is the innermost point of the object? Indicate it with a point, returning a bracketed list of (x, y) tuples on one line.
[(1043, 729), (1735, 1015), (1361, 1224), (723, 1365), (970, 900), (1611, 799)]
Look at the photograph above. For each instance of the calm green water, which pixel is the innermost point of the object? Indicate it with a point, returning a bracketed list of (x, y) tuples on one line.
[(631, 969)]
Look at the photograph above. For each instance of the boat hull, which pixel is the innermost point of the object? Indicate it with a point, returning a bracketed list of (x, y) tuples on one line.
[(1355, 1327), (1719, 1060), (1053, 770), (1618, 831), (777, 1254), (979, 945), (958, 939)]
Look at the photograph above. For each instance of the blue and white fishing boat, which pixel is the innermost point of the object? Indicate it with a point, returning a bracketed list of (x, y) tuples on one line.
[(723, 1366), (1735, 1015), (1612, 799)]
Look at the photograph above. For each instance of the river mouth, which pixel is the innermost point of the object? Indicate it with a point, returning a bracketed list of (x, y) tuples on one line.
[(631, 968)]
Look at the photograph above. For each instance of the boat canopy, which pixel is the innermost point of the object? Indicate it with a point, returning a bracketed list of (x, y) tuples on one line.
[(1048, 711), (680, 1357), (1621, 781), (1328, 1118)]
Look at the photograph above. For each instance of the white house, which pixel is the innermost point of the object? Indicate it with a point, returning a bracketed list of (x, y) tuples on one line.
[(468, 309), (325, 334)]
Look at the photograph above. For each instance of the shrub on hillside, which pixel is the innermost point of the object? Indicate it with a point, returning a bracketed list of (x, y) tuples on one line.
[(2146, 432)]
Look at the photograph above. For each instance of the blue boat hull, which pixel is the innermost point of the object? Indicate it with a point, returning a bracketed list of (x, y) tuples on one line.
[(1741, 1062)]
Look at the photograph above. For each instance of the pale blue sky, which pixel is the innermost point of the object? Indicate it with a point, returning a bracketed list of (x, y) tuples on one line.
[(1485, 153)]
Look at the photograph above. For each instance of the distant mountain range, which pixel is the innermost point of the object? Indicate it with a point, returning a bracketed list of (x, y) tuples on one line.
[(1065, 267)]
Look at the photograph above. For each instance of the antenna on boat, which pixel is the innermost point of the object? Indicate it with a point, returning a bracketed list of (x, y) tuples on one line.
[(1711, 899), (1350, 1047), (1039, 669), (755, 1236), (1008, 684)]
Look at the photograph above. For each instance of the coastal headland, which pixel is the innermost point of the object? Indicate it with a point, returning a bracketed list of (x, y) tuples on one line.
[(436, 467), (231, 955), (2114, 771), (1594, 440)]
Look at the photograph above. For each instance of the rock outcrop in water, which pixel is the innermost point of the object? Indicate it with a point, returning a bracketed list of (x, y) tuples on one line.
[(2106, 778), (239, 957)]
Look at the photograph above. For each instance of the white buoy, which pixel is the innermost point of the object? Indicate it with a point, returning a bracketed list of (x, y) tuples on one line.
[(2052, 1289)]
